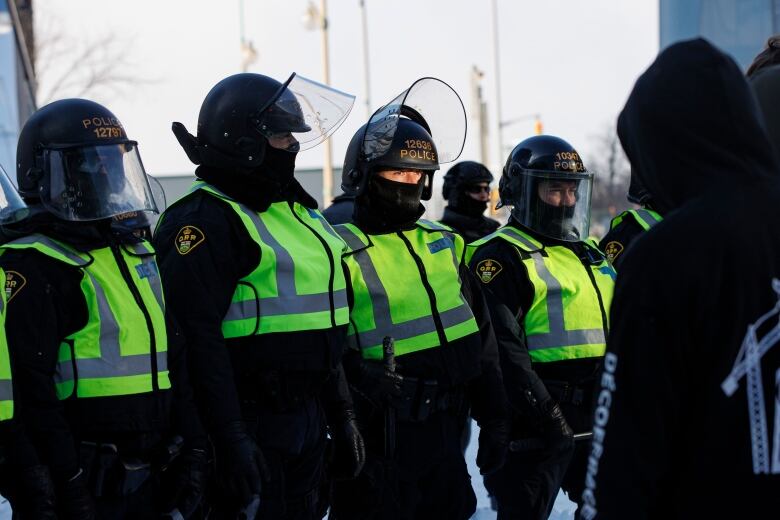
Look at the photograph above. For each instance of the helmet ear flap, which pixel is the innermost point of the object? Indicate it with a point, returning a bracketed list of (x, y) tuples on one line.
[(354, 183), (32, 179)]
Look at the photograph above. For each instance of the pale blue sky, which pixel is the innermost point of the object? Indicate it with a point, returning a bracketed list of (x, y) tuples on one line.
[(572, 61)]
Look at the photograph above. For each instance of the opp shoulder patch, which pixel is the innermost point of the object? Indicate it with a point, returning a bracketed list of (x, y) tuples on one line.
[(188, 238), (14, 281), (487, 270), (612, 250)]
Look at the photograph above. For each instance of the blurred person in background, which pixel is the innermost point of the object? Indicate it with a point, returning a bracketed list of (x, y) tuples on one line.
[(467, 191)]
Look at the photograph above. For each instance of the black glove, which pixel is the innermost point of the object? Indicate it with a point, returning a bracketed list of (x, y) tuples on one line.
[(74, 499), (493, 442), (183, 490), (379, 384), (241, 467), (35, 492), (349, 447), (553, 424)]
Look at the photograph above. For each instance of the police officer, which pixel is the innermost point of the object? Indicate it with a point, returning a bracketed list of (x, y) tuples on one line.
[(467, 190), (253, 273), (629, 225), (409, 284), (94, 357), (549, 293)]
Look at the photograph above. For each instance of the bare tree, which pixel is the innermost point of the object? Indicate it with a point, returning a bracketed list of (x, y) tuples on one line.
[(70, 66), (613, 175)]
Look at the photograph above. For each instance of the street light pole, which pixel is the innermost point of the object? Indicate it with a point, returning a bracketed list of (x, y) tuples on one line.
[(327, 168), (366, 74), (497, 73)]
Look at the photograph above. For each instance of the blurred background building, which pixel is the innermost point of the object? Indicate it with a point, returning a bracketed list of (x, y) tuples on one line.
[(17, 77), (739, 27)]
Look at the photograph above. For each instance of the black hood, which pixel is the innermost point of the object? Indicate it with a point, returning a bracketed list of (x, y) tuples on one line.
[(766, 86), (691, 125)]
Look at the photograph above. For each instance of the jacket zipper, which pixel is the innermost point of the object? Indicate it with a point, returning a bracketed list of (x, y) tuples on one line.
[(139, 301), (428, 289), (330, 259)]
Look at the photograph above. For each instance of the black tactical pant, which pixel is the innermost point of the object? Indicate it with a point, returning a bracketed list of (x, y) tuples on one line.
[(528, 484), (293, 444), (427, 478)]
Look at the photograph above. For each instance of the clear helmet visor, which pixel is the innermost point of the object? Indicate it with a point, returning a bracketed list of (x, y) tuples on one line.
[(303, 114), (12, 207), (441, 110), (95, 182), (555, 205)]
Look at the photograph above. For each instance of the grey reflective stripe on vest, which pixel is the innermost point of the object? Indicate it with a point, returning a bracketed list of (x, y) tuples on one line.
[(111, 362), (520, 238), (287, 301), (325, 224), (383, 323), (284, 305), (6, 390), (558, 335), (41, 239), (648, 218), (352, 240)]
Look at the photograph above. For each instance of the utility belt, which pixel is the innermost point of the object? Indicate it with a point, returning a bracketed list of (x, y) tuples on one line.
[(111, 473), (565, 392), (280, 392), (421, 398)]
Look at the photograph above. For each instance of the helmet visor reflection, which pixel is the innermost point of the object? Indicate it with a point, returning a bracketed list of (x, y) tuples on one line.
[(307, 109), (95, 182)]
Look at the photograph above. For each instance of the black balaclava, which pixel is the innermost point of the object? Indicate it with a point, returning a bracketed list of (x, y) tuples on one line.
[(389, 205), (555, 220), (258, 188), (465, 204)]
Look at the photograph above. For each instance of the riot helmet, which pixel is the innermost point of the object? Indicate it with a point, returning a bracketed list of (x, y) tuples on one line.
[(548, 188), (420, 129), (74, 158), (462, 175), (245, 112), (467, 188)]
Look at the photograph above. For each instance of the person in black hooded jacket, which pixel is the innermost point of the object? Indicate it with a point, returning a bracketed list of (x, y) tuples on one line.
[(467, 190), (686, 405), (253, 272)]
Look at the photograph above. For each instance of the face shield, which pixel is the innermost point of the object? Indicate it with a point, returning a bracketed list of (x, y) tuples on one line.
[(429, 102), (95, 182), (555, 205), (12, 207), (303, 114)]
